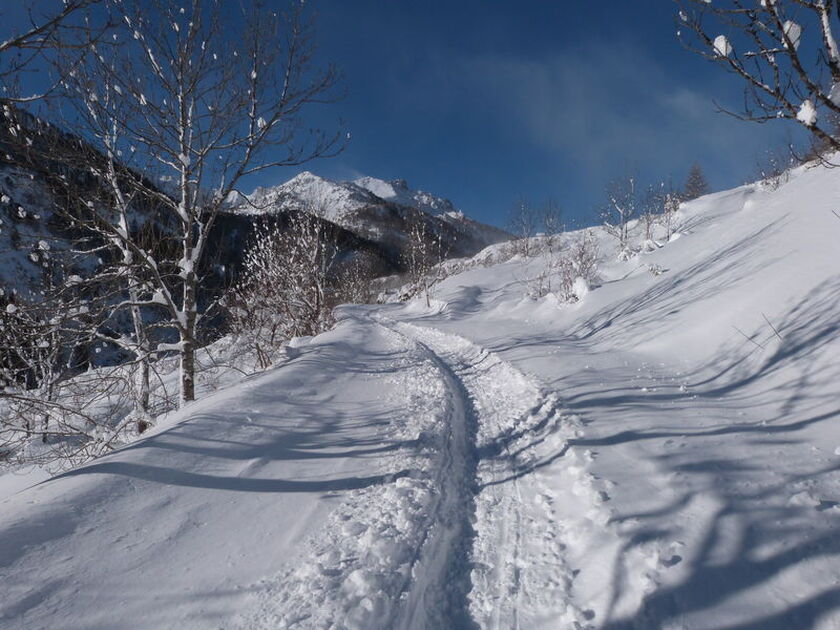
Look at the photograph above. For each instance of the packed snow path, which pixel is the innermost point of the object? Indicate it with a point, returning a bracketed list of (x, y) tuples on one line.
[(436, 596), (490, 531)]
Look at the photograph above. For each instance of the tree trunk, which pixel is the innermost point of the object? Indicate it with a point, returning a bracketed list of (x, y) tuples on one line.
[(142, 393), (143, 388), (188, 340), (187, 370)]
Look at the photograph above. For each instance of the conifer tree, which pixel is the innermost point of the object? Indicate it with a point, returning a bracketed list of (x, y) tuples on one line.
[(695, 184)]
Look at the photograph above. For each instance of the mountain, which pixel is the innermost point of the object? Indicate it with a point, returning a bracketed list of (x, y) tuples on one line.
[(375, 209), (397, 191)]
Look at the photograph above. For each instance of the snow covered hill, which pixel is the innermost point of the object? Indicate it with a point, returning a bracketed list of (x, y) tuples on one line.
[(663, 453), (376, 210)]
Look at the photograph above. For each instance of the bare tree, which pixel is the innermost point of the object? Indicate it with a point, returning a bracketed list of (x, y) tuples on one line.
[(195, 109), (659, 205), (622, 205), (524, 221), (286, 288), (422, 252), (354, 280), (651, 210), (784, 50), (552, 224), (670, 206), (46, 31)]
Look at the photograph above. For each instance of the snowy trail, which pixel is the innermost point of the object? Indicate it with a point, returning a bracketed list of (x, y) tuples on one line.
[(469, 537), (498, 540), (437, 596)]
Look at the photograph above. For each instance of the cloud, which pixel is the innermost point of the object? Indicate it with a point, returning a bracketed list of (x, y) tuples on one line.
[(600, 107)]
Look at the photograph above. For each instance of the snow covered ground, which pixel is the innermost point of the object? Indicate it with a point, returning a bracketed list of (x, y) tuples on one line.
[(663, 454)]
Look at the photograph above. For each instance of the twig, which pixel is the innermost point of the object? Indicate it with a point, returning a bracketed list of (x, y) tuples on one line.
[(750, 339), (772, 326)]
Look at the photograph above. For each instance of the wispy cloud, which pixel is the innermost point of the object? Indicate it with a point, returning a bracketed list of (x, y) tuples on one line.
[(600, 107)]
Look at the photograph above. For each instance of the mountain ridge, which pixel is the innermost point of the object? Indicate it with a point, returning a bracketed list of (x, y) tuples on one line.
[(374, 208)]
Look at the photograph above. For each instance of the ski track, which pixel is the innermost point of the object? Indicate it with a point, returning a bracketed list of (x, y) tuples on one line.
[(518, 576), (440, 577), (470, 538)]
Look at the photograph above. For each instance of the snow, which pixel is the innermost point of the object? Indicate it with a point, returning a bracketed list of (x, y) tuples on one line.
[(721, 46), (627, 460), (834, 95), (398, 191), (580, 288), (807, 114), (793, 31), (333, 200), (329, 200), (371, 208)]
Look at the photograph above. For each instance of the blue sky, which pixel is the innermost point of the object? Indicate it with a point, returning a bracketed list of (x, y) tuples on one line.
[(484, 101), (487, 101)]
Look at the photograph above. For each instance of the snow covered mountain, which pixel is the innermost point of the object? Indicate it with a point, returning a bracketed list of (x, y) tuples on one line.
[(662, 453), (374, 209), (397, 191), (334, 200)]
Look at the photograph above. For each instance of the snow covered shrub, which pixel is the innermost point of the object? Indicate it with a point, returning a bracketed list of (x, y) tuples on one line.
[(569, 272), (577, 268), (422, 256), (285, 289), (53, 408), (773, 169), (66, 424), (540, 285)]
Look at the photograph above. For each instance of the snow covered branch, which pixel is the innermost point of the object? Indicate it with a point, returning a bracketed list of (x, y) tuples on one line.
[(785, 52)]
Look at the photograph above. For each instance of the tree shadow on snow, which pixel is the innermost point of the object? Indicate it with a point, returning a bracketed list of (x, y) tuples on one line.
[(759, 534), (305, 422), (766, 397)]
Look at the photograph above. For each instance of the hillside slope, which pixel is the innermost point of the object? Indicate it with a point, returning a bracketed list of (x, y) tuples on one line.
[(664, 453)]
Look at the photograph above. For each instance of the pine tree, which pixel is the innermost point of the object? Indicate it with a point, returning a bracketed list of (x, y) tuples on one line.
[(695, 184)]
